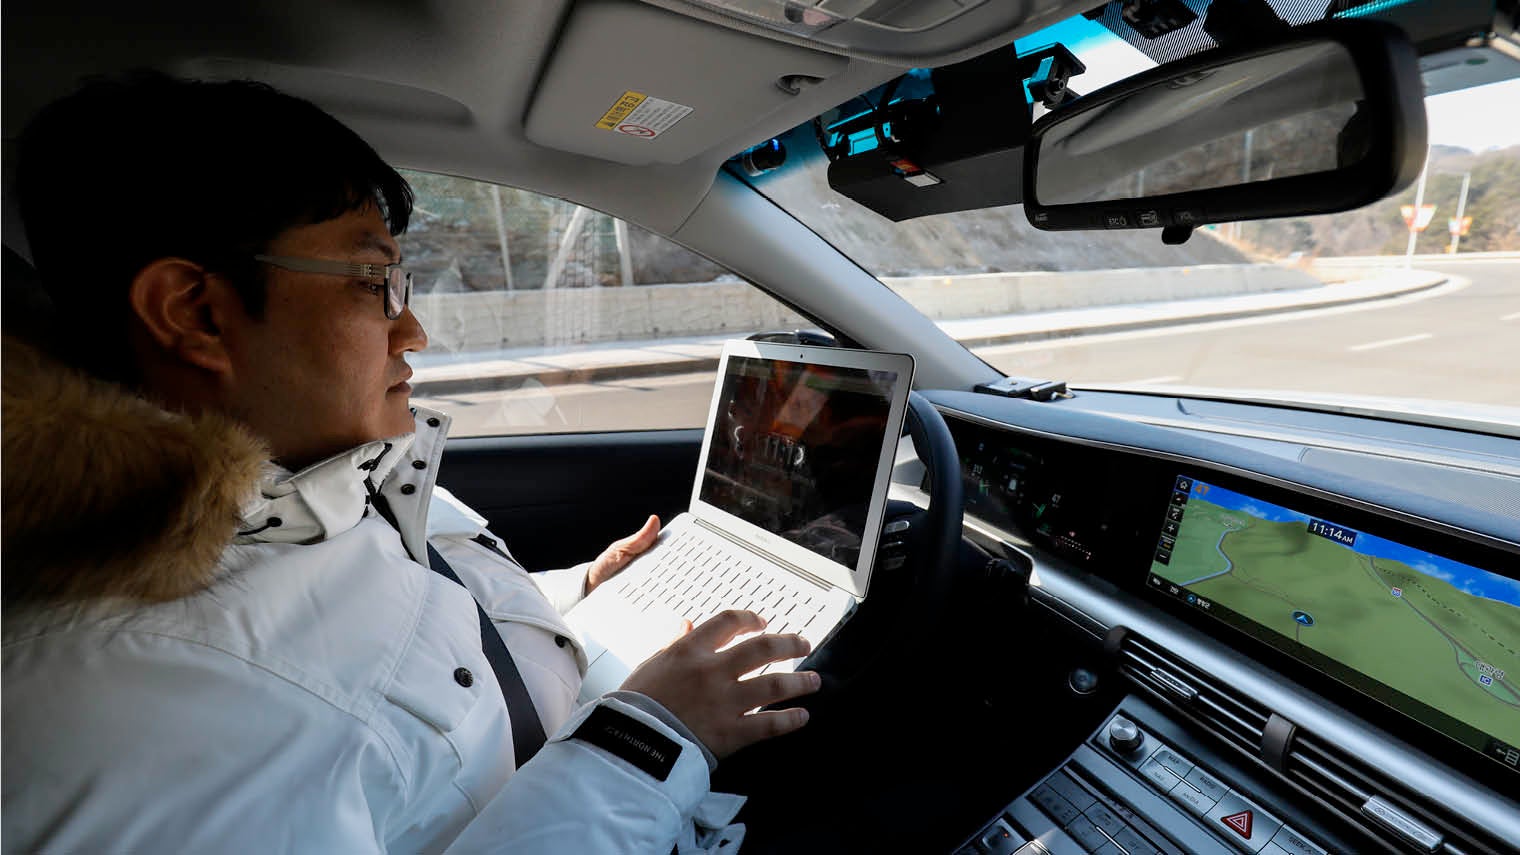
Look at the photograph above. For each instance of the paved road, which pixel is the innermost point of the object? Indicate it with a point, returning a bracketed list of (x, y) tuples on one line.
[(1459, 342)]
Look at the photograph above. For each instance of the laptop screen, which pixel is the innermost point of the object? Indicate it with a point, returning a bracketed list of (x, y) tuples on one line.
[(795, 449)]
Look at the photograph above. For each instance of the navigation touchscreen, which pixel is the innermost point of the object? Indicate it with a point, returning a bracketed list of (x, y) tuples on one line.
[(1434, 638)]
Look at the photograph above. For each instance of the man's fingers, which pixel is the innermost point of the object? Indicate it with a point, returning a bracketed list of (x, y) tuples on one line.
[(722, 627), (752, 653), (769, 723), (615, 557), (773, 688), (640, 540)]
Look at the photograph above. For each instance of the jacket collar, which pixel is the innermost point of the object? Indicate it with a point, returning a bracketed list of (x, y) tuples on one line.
[(108, 495), (330, 497)]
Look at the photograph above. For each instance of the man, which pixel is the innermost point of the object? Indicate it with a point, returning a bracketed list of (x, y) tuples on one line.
[(240, 615)]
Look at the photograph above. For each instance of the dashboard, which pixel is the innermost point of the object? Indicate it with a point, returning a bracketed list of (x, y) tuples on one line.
[(1338, 665)]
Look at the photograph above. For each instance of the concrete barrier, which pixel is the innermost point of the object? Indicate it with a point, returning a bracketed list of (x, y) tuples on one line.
[(991, 294), (503, 320), (1355, 267)]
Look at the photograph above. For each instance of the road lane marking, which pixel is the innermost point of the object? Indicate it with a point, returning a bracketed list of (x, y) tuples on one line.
[(1390, 342), (1511, 316)]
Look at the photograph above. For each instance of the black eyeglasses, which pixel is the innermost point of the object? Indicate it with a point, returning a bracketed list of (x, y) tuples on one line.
[(398, 282)]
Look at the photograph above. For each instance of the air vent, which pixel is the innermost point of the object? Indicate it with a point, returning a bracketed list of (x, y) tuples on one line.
[(1385, 808), (1348, 785), (1221, 710)]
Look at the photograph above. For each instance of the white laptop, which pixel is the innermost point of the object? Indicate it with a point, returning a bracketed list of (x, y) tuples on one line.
[(785, 515)]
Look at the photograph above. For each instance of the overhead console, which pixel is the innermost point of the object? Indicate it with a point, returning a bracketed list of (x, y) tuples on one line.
[(1311, 672), (904, 32)]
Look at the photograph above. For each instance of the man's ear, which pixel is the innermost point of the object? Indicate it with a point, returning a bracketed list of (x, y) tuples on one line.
[(184, 310)]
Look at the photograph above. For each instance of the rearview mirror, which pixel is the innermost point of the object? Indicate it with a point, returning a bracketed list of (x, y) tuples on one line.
[(1330, 119)]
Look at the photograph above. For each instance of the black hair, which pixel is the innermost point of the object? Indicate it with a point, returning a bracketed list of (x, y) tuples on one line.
[(142, 166)]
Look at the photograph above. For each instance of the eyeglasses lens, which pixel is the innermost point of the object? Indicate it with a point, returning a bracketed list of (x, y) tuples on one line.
[(398, 292)]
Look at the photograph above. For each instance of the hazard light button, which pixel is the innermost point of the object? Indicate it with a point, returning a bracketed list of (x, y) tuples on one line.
[(1242, 822)]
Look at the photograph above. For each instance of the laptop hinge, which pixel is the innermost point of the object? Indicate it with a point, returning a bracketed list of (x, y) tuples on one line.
[(822, 583)]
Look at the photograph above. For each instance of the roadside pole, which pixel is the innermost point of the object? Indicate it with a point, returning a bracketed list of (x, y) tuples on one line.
[(1419, 199), (625, 252), (566, 246), (1456, 232), (501, 234)]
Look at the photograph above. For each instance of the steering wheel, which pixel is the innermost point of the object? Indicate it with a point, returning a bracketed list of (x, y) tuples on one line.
[(935, 557), (874, 642), (873, 636)]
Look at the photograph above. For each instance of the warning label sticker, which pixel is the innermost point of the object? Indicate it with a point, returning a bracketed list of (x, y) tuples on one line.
[(638, 115)]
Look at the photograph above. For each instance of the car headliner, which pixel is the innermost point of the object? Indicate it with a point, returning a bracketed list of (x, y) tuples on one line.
[(445, 86)]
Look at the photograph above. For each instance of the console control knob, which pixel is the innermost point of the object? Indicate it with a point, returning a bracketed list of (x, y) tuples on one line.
[(1123, 736)]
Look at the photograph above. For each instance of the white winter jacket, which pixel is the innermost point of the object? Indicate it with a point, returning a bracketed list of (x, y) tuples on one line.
[(309, 693)]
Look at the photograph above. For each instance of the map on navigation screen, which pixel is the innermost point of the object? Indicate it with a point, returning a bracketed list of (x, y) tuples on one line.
[(1437, 631)]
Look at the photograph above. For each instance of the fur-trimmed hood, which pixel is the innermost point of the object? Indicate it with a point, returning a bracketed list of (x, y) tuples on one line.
[(107, 495)]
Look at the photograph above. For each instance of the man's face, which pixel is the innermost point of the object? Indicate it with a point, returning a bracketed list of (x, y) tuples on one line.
[(324, 369)]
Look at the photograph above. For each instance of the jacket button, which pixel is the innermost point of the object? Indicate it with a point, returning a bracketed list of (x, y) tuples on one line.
[(561, 641), (463, 677), (419, 464), (433, 422), (408, 489)]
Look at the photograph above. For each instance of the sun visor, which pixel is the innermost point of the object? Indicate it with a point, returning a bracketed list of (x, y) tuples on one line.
[(635, 84)]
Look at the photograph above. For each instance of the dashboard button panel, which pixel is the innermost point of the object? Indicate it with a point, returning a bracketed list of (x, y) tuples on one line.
[(1160, 776), (1228, 814), (1159, 800), (1243, 822), (1087, 833), (1196, 802), (1070, 790), (1173, 761), (1206, 784), (1294, 843), (1056, 807)]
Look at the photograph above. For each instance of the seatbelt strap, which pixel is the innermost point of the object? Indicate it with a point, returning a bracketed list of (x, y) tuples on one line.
[(527, 728)]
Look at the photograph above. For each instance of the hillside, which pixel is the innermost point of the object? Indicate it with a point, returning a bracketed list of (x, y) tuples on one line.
[(1493, 201), (453, 243)]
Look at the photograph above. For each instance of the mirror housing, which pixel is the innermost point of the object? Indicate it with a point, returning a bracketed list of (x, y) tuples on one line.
[(1348, 106)]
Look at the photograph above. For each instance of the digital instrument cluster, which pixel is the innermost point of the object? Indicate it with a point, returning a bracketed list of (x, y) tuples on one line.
[(1079, 504)]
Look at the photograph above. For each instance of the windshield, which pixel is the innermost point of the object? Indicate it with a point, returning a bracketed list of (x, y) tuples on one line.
[(1309, 309)]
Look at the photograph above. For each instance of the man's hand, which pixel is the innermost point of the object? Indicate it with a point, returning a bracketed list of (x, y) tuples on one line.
[(701, 686), (615, 557)]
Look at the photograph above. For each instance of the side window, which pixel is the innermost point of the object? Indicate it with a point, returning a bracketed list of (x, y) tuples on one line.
[(547, 317)]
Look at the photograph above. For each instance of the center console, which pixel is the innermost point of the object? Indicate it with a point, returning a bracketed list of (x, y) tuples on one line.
[(1140, 785)]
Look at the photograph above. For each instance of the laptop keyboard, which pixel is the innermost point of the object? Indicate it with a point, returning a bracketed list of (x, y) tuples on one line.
[(698, 575)]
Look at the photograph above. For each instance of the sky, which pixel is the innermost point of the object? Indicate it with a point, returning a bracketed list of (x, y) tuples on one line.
[(1474, 118)]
